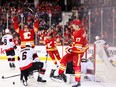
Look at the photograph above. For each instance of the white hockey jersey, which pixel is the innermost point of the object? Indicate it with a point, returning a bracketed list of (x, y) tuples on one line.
[(8, 42), (26, 57)]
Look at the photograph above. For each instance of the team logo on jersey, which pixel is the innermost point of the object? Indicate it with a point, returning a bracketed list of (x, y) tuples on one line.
[(27, 35)]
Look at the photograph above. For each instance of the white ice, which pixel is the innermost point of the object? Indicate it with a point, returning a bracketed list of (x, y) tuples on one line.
[(6, 71)]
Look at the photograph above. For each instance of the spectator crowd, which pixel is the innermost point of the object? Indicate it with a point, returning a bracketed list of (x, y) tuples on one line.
[(102, 18)]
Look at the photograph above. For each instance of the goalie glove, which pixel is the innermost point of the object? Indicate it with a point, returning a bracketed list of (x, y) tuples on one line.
[(68, 50)]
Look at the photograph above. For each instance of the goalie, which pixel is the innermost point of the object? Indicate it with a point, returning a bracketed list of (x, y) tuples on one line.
[(101, 46), (87, 69)]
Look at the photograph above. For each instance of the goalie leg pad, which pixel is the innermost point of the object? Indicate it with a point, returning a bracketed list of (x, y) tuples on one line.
[(89, 71)]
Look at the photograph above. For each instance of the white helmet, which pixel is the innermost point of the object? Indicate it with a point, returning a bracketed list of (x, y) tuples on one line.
[(97, 37), (7, 31), (28, 44)]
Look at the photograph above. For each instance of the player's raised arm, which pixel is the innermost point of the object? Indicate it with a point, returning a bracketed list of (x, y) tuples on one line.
[(15, 24), (36, 24)]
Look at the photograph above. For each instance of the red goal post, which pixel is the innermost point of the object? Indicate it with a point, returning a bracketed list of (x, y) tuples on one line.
[(103, 69)]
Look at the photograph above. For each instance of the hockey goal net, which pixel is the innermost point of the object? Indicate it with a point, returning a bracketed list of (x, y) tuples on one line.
[(104, 67)]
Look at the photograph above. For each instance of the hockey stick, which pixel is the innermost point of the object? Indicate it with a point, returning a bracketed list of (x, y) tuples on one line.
[(30, 10), (3, 77), (43, 70), (6, 77), (46, 61), (46, 58)]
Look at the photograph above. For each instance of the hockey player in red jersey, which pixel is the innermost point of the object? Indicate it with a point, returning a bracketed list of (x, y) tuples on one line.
[(26, 34), (52, 51), (74, 53)]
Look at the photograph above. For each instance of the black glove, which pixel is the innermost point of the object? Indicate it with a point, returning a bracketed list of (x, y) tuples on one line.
[(15, 47)]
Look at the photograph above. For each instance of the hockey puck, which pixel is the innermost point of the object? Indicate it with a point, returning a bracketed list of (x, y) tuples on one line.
[(2, 77), (13, 83)]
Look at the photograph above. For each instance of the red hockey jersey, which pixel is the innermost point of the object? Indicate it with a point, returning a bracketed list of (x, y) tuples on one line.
[(80, 41), (50, 44), (26, 36)]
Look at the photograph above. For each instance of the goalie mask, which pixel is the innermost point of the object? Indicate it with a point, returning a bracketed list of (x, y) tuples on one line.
[(97, 37), (84, 60)]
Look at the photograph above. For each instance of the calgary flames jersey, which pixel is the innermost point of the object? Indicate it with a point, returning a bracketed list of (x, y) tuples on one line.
[(80, 40), (50, 44), (26, 36)]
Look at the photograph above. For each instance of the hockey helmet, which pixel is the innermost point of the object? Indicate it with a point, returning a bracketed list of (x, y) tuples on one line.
[(84, 60), (7, 31), (28, 44), (97, 37), (50, 35), (76, 22)]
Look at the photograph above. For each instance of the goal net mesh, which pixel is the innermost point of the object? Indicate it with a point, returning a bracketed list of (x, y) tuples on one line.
[(103, 68)]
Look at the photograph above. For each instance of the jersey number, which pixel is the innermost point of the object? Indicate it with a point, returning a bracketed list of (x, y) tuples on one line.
[(24, 55), (5, 41)]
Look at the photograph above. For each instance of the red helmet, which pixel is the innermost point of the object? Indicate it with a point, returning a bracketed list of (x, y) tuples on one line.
[(76, 22)]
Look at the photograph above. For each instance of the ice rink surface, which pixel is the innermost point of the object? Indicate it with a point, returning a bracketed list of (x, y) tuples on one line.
[(32, 82)]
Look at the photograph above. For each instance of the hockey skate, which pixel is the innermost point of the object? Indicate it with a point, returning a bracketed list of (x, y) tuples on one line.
[(52, 72), (31, 75), (60, 77), (10, 65), (24, 82), (77, 85), (13, 65), (39, 79)]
